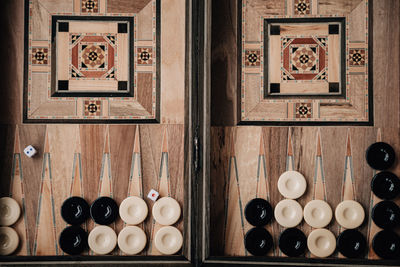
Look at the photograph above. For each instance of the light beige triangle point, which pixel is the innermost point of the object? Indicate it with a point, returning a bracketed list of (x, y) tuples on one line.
[(319, 187), (290, 144), (107, 141), (136, 146), (234, 236), (76, 188), (46, 143), (165, 141), (105, 187), (163, 187), (45, 235), (348, 187), (78, 142), (17, 193)]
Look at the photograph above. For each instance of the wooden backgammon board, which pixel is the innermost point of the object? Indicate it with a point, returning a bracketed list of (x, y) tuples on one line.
[(304, 86), (200, 133), (98, 88)]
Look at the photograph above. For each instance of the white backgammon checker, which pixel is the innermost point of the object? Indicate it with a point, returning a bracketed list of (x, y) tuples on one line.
[(102, 240), (166, 211), (9, 211), (168, 240), (292, 184), (349, 214), (321, 243), (132, 240), (133, 210), (288, 213), (9, 241), (317, 213)]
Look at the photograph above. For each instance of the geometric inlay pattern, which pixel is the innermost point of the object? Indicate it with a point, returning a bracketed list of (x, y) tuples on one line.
[(40, 56), (92, 56), (303, 110), (252, 58), (304, 62), (145, 55), (92, 108), (96, 60), (90, 6), (302, 7), (357, 57), (304, 59)]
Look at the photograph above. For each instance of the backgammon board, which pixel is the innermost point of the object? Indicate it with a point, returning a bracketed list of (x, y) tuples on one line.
[(292, 90), (90, 102)]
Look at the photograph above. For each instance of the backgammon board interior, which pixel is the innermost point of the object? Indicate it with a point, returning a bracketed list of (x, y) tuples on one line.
[(83, 149), (256, 135)]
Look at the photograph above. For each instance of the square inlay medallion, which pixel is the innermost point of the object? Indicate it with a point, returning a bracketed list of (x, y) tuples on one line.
[(308, 54), (97, 62)]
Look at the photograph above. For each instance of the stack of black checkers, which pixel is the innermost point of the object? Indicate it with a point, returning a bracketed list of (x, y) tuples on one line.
[(258, 241), (385, 214), (73, 239)]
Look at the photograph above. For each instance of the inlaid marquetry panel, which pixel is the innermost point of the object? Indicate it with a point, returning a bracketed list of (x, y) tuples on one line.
[(93, 60), (304, 62)]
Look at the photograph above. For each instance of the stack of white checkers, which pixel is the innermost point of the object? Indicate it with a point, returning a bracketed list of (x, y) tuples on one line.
[(317, 213), (132, 239), (288, 212), (9, 214)]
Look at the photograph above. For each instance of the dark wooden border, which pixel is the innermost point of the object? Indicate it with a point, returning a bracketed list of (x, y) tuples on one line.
[(156, 120), (370, 121), (342, 22)]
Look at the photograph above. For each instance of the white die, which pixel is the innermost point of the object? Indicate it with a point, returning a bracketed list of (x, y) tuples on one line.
[(153, 195), (30, 151)]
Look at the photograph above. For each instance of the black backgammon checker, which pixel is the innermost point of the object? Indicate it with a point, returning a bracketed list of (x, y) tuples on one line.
[(258, 212), (351, 243), (75, 210), (386, 214), (292, 242), (385, 185), (258, 241), (73, 240), (380, 156), (104, 210), (386, 244)]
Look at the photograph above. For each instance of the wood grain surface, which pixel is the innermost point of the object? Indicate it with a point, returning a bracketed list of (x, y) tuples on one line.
[(331, 159), (89, 160)]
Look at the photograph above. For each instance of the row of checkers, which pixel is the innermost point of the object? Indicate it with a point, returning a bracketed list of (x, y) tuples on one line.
[(131, 240), (318, 214), (102, 240)]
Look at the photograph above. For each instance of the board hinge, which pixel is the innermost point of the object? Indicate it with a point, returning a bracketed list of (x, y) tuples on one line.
[(196, 153)]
